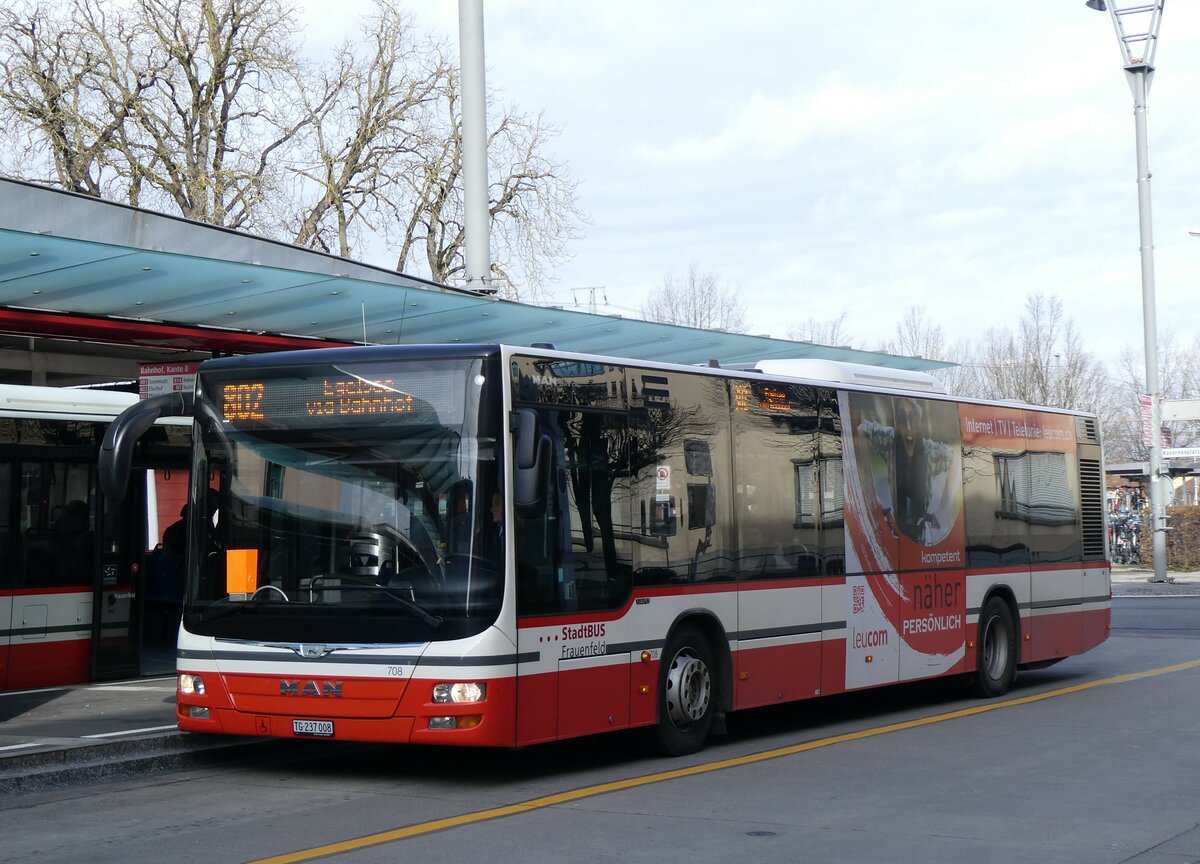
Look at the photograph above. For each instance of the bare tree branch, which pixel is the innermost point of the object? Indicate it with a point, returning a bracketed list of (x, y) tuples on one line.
[(205, 108), (696, 300), (366, 126), (1178, 378), (532, 202), (918, 336), (1042, 363), (819, 332)]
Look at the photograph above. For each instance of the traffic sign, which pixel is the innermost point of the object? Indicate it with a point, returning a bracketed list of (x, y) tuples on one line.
[(1181, 452)]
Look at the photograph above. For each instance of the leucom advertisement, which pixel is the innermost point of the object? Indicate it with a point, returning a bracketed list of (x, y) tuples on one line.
[(904, 538)]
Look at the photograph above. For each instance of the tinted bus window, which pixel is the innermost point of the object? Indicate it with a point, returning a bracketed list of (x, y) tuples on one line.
[(1021, 485), (575, 555), (789, 491), (682, 484), (57, 524)]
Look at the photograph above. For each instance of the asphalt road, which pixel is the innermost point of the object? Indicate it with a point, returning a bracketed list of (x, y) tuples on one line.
[(1092, 760)]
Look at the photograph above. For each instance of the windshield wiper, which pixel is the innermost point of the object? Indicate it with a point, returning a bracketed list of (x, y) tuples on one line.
[(426, 617), (390, 591)]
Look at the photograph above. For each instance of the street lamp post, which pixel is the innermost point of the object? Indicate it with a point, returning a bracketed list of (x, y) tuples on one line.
[(1137, 51), (476, 219)]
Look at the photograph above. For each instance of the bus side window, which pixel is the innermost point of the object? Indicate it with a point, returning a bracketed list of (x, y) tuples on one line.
[(679, 437), (788, 454), (57, 531), (574, 555)]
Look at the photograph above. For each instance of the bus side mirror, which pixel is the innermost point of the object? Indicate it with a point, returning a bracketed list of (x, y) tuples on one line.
[(116, 452), (531, 465)]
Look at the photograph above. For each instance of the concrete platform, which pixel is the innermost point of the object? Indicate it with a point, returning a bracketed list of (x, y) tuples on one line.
[(65, 735)]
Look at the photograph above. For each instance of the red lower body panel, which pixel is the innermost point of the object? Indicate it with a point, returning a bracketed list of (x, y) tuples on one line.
[(491, 722), (782, 673), (1065, 634), (48, 664)]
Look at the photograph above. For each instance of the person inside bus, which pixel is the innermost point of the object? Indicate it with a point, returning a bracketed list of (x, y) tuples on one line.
[(164, 579), (494, 533), (175, 538)]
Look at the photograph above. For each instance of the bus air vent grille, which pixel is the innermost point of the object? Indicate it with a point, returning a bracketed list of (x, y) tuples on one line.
[(1091, 493)]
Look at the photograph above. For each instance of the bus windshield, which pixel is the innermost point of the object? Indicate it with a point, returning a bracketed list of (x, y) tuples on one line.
[(346, 503)]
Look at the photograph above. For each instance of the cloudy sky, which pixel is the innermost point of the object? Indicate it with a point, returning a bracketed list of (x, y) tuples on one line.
[(858, 156)]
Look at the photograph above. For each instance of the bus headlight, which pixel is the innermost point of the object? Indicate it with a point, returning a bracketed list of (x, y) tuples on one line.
[(459, 692), (191, 685)]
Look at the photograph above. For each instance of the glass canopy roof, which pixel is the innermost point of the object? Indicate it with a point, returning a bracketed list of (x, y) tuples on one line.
[(66, 253)]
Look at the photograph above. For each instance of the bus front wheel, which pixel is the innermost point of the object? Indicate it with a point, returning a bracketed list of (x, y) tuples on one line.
[(996, 657), (687, 692)]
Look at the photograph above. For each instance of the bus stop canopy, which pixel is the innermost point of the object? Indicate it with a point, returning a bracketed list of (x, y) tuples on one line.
[(77, 267)]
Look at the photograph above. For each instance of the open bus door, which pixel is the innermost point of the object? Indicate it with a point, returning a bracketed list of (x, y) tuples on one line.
[(118, 599), (124, 584)]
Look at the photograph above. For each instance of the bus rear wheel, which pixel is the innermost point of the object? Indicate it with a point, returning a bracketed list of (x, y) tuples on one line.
[(687, 692), (996, 657)]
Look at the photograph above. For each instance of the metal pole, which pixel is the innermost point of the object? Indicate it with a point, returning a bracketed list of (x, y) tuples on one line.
[(1139, 80), (476, 219)]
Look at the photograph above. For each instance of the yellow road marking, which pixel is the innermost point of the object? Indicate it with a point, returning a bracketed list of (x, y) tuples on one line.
[(662, 776)]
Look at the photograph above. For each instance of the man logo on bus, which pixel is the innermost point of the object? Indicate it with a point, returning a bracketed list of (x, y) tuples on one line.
[(310, 688)]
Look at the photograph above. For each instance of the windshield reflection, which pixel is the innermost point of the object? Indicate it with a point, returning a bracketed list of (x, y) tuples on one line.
[(358, 526)]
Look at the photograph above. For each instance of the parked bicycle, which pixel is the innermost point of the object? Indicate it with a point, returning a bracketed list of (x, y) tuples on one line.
[(1127, 540)]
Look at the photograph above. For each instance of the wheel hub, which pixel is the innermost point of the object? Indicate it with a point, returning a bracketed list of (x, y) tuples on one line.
[(689, 689), (995, 648)]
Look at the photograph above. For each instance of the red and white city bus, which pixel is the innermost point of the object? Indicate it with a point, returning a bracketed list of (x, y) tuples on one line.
[(500, 546), (80, 598)]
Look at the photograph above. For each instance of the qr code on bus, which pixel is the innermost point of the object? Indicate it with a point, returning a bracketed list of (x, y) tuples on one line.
[(859, 596)]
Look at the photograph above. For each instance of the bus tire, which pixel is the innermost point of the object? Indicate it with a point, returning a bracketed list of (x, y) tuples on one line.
[(996, 655), (687, 692)]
